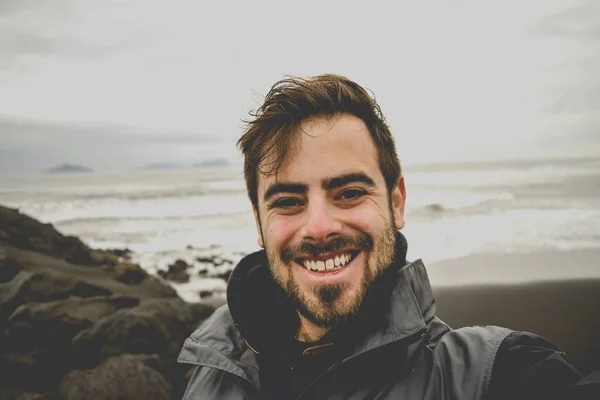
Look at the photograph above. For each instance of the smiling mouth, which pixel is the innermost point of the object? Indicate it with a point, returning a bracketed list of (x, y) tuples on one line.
[(332, 262)]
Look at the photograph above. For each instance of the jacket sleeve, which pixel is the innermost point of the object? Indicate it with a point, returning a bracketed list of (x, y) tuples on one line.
[(527, 366)]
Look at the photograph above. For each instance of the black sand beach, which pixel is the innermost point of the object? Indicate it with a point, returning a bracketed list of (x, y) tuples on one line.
[(555, 294)]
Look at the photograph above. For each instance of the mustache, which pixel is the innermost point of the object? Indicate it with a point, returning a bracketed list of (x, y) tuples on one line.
[(362, 242)]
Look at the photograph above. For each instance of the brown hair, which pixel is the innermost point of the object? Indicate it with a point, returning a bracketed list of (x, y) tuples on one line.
[(269, 137)]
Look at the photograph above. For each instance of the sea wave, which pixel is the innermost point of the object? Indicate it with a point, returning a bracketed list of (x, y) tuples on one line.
[(104, 220), (465, 203), (135, 195)]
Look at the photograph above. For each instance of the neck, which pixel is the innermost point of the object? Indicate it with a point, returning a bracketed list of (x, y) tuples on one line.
[(308, 332)]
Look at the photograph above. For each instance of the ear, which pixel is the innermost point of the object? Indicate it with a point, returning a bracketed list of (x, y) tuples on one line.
[(259, 240), (398, 199)]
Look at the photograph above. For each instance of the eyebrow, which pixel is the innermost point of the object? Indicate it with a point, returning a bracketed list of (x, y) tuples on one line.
[(284, 187), (353, 177), (327, 184)]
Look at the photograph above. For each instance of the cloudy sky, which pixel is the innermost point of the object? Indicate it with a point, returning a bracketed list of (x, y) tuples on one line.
[(119, 84)]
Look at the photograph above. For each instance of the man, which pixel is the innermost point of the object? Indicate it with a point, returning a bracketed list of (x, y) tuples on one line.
[(331, 308)]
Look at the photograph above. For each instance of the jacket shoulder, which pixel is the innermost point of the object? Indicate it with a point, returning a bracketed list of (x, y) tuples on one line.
[(463, 359), (483, 337), (217, 333), (215, 349)]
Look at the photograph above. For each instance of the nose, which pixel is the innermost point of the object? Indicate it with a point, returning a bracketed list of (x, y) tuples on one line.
[(321, 223)]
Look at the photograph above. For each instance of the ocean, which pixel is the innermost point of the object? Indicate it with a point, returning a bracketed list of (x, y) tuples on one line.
[(452, 210)]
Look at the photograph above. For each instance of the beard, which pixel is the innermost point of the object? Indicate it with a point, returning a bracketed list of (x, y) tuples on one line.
[(328, 307)]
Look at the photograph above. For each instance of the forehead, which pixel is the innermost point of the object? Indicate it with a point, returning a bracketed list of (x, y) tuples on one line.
[(327, 147)]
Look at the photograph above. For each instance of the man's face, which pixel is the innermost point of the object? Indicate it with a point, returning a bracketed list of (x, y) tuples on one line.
[(326, 220)]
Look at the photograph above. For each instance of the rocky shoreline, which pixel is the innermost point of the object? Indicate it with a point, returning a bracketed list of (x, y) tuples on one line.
[(81, 323)]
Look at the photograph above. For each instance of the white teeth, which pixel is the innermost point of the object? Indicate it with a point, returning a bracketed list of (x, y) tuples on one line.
[(320, 265), (344, 259), (329, 264), (332, 263)]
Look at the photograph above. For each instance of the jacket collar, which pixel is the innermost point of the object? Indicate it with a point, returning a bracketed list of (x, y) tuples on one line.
[(411, 308), (402, 299)]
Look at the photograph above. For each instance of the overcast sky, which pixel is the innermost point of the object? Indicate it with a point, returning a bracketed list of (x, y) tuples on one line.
[(119, 84)]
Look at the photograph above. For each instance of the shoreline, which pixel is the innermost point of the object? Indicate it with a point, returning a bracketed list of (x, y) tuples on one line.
[(516, 267)]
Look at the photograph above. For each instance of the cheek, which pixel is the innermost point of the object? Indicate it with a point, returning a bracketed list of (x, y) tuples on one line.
[(280, 229), (365, 220)]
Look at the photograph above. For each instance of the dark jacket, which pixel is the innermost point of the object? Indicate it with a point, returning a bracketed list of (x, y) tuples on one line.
[(396, 349)]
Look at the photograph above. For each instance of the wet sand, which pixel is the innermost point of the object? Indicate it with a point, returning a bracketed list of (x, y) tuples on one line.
[(555, 294)]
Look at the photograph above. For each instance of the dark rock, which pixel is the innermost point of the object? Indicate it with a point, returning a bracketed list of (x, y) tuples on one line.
[(122, 253), (132, 277), (66, 307), (157, 326), (9, 268), (124, 377), (217, 262), (38, 337), (34, 323), (214, 260), (177, 272), (179, 265), (40, 396), (161, 289), (203, 273), (114, 278), (130, 273), (200, 312), (26, 395), (40, 286), (24, 232)]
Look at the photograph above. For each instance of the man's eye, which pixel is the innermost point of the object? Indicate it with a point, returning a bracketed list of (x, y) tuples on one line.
[(351, 194), (286, 203)]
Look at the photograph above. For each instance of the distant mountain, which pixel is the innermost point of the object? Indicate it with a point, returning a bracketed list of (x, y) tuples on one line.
[(159, 166), (215, 162), (68, 168)]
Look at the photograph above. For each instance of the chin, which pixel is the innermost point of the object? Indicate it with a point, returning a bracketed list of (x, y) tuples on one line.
[(347, 305)]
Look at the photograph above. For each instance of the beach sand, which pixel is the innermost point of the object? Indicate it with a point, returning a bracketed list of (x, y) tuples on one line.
[(555, 294)]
